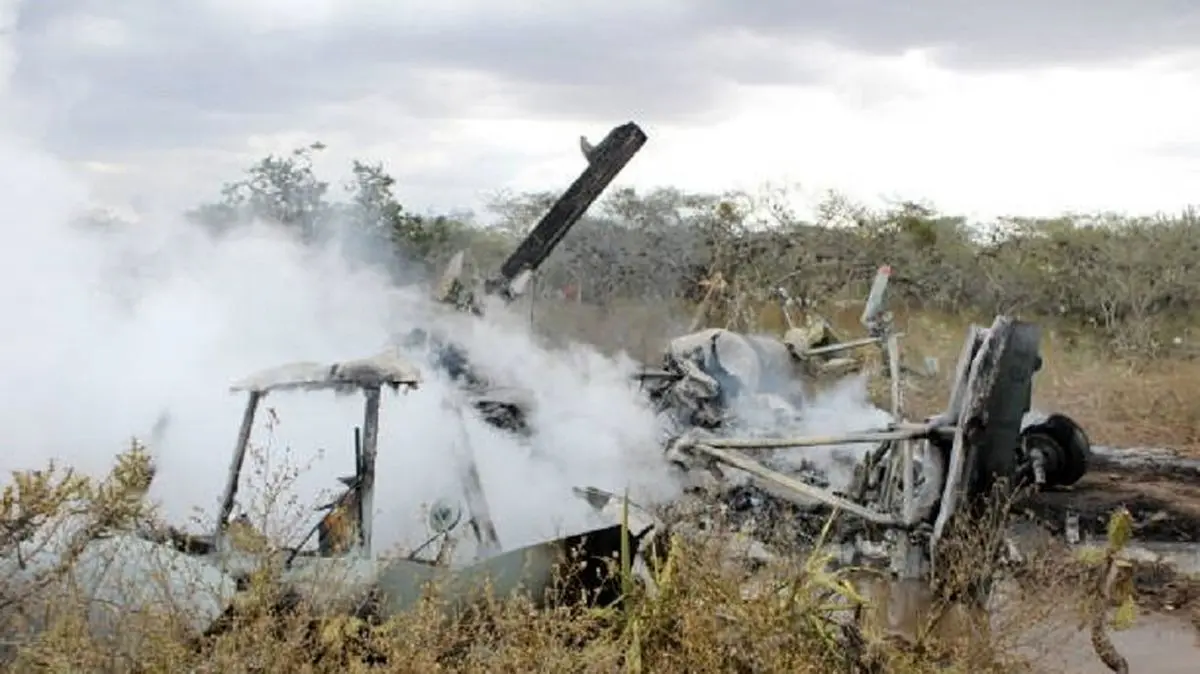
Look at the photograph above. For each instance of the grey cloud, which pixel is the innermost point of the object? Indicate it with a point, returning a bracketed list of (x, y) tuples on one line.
[(185, 71), (1180, 149), (979, 33), (189, 75), (182, 77)]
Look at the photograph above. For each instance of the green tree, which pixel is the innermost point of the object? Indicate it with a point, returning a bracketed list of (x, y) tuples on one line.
[(375, 209), (279, 189)]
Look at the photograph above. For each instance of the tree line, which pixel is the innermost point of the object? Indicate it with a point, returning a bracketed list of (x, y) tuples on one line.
[(1127, 276)]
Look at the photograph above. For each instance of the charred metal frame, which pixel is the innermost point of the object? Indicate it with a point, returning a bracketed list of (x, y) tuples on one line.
[(896, 445), (368, 376), (968, 446), (604, 162)]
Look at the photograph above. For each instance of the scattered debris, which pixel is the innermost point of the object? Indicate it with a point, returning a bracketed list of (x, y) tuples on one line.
[(919, 475)]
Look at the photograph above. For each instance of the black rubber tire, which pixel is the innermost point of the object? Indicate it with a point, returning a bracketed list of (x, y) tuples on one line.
[(1074, 449)]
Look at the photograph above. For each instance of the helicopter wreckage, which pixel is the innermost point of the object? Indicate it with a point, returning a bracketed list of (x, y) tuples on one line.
[(910, 478), (915, 478)]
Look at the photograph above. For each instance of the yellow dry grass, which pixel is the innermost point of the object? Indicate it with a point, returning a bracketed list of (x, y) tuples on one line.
[(794, 616)]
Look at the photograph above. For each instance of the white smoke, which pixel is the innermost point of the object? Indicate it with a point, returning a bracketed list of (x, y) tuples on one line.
[(108, 329), (840, 409)]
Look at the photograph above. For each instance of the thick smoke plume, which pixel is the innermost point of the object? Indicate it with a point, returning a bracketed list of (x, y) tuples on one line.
[(111, 331)]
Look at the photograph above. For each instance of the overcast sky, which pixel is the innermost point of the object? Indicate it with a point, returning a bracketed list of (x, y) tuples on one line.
[(987, 106)]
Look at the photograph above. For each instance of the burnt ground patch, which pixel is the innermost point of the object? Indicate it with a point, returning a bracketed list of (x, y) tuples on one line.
[(1164, 500)]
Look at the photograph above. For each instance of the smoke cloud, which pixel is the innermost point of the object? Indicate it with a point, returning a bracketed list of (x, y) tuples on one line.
[(112, 330)]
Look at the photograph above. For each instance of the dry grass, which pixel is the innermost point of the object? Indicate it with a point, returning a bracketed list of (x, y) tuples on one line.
[(708, 615)]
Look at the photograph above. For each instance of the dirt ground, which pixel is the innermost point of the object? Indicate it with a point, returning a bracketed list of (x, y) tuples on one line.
[(1165, 503)]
